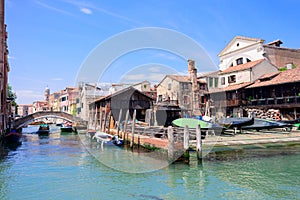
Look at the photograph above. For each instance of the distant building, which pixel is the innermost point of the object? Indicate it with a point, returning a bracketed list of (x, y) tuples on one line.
[(88, 93), (25, 109), (54, 101), (67, 100), (39, 106)]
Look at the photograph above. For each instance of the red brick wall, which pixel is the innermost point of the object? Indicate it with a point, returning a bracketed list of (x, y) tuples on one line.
[(281, 56)]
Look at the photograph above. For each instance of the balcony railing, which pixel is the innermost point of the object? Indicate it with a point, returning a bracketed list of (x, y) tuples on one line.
[(289, 100)]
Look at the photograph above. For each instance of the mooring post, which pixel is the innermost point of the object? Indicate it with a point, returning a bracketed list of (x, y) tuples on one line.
[(119, 122), (186, 145), (133, 129), (125, 135), (199, 142), (100, 118), (170, 144), (96, 117), (109, 122), (105, 118)]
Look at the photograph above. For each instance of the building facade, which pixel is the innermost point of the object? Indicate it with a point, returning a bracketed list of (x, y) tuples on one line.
[(5, 109), (187, 92), (244, 63)]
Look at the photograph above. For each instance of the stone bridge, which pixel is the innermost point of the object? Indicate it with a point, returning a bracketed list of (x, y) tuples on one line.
[(23, 121)]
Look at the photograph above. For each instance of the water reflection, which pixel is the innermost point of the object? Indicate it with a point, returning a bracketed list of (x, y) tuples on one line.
[(270, 172), (63, 166)]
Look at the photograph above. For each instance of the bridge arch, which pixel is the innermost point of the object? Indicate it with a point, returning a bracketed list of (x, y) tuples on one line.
[(23, 121)]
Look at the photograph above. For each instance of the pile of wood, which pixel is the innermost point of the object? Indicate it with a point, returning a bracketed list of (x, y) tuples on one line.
[(272, 114)]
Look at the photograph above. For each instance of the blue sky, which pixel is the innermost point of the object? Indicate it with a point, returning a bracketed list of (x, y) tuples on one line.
[(49, 41)]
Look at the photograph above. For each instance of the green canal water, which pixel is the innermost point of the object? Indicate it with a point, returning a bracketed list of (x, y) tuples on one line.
[(73, 167)]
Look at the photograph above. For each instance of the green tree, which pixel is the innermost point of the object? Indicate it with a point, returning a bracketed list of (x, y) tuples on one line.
[(11, 95)]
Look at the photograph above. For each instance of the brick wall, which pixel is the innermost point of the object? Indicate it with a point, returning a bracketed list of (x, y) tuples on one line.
[(282, 56)]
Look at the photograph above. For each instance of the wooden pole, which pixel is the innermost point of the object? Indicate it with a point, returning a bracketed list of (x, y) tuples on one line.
[(186, 138), (199, 142), (170, 144), (119, 122), (105, 118), (125, 126), (154, 117), (109, 122), (101, 116), (133, 129), (96, 118)]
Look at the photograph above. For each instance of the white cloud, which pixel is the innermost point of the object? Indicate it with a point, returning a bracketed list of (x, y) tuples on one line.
[(86, 11)]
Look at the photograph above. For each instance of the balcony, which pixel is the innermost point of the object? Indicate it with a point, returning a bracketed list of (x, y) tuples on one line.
[(288, 101)]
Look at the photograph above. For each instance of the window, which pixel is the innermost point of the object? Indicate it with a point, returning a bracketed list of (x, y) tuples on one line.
[(239, 61), (184, 86), (248, 60), (222, 80), (216, 82), (186, 100), (64, 98), (159, 98), (211, 80), (169, 86), (231, 79)]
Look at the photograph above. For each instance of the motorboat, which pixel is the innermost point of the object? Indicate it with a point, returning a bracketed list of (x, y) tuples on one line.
[(43, 130)]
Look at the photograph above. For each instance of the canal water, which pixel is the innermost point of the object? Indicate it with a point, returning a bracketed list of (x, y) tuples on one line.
[(74, 167)]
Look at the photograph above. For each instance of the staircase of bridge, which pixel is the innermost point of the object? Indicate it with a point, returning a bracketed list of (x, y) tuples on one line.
[(23, 121)]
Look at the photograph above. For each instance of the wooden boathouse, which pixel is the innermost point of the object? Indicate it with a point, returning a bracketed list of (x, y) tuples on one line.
[(109, 107)]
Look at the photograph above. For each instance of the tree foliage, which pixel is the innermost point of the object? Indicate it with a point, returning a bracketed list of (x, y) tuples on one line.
[(11, 95)]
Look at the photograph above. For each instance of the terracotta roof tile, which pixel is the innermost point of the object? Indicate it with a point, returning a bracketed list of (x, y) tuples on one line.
[(241, 67), (288, 76), (180, 78), (269, 75), (184, 79), (230, 87)]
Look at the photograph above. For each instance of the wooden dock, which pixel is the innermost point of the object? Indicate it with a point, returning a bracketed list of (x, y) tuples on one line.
[(177, 142)]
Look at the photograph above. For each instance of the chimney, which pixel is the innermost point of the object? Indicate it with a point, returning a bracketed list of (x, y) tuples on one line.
[(195, 88), (191, 68), (289, 66), (275, 43)]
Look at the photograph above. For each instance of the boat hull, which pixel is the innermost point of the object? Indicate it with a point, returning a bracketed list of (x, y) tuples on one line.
[(68, 129), (13, 138), (260, 124), (236, 122), (193, 123)]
